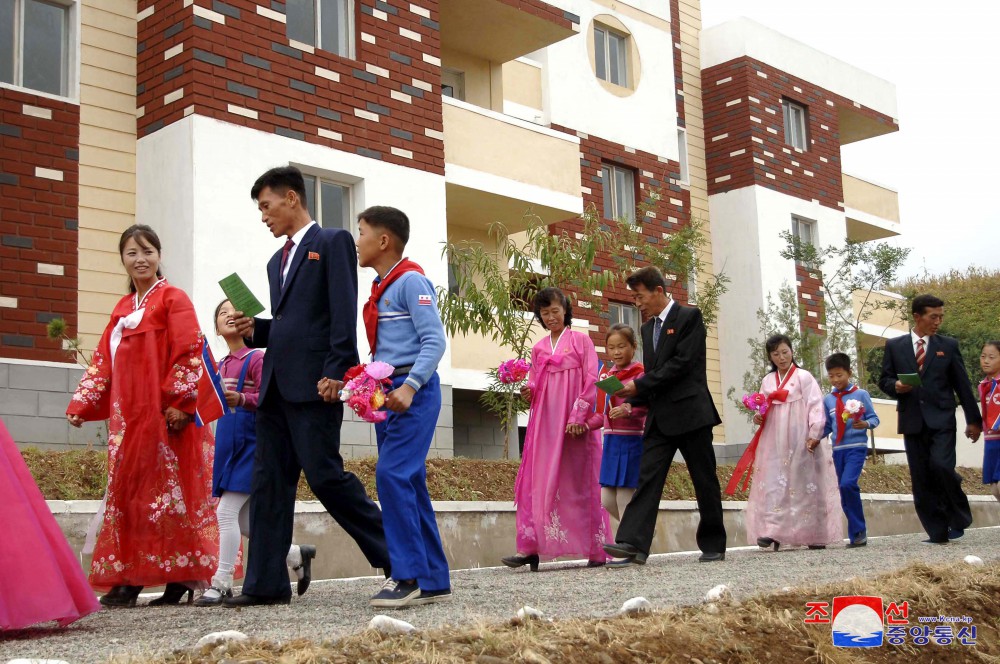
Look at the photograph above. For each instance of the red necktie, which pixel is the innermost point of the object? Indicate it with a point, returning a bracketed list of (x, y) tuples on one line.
[(841, 424), (920, 355), (284, 261)]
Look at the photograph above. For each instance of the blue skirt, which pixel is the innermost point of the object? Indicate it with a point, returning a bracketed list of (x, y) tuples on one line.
[(620, 460), (991, 462)]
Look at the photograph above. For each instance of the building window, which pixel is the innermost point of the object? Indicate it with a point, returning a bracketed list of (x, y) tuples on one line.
[(629, 315), (326, 24), (611, 55), (35, 48), (619, 192), (453, 83), (805, 231), (682, 150), (795, 123), (332, 200)]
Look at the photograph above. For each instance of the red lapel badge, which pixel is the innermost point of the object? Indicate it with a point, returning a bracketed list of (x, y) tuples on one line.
[(670, 330), (940, 353), (313, 256)]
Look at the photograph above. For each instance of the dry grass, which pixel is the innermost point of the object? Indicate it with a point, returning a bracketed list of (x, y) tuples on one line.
[(761, 629), (81, 475)]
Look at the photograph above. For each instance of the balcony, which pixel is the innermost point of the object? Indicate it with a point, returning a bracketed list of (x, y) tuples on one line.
[(498, 31), (882, 323), (872, 210), (500, 168)]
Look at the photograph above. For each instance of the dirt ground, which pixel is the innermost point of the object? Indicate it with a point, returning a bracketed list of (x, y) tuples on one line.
[(766, 628), (80, 475)]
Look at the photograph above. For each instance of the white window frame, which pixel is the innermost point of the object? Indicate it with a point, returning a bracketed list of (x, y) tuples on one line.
[(615, 315), (682, 155), (317, 40), (795, 117), (604, 34), (71, 82), (798, 224), (314, 196), (608, 183), (455, 79)]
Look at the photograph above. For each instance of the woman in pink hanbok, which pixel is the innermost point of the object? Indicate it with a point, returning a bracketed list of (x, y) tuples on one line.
[(794, 499), (557, 493), (40, 577)]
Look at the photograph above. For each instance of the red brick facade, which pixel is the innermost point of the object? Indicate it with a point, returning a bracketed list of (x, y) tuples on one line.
[(39, 176), (810, 293), (745, 133), (670, 212)]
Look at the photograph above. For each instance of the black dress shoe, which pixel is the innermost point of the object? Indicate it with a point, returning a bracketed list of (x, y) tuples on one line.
[(121, 596), (172, 594), (932, 541), (254, 600), (625, 550), (307, 552), (764, 542), (817, 546), (712, 557), (521, 561), (956, 533)]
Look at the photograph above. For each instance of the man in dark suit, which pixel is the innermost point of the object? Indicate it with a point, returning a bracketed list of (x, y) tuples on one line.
[(311, 340), (926, 416), (681, 416)]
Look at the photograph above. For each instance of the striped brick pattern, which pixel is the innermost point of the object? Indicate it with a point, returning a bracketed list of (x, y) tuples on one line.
[(745, 134), (39, 176)]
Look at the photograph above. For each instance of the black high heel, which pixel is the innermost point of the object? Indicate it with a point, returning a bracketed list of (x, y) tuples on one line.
[(121, 597), (521, 561), (172, 594)]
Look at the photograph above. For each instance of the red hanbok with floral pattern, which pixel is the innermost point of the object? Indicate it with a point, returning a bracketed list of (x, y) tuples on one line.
[(159, 522)]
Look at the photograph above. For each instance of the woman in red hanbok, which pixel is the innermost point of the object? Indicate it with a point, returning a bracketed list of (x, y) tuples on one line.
[(40, 577), (158, 525)]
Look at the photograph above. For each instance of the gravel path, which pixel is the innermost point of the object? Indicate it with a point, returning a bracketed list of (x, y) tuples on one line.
[(336, 608)]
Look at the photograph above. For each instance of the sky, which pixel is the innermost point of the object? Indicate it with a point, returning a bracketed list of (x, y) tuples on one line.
[(943, 161)]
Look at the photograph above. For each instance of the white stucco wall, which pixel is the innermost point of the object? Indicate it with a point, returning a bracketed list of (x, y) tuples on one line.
[(646, 119), (194, 180), (744, 37), (747, 244)]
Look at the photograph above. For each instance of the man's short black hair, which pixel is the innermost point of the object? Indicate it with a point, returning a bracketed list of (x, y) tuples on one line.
[(648, 276), (839, 361), (549, 296), (280, 180), (922, 303), (389, 219)]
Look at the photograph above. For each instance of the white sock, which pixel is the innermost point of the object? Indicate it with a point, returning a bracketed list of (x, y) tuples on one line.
[(294, 559)]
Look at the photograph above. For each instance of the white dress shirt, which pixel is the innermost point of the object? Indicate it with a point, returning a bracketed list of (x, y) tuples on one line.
[(297, 239)]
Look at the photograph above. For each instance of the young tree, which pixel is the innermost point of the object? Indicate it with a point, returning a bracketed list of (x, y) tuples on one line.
[(860, 271), (495, 285)]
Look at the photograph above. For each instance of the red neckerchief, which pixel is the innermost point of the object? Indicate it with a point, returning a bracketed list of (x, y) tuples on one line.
[(841, 424), (370, 311), (631, 372), (988, 385), (745, 464)]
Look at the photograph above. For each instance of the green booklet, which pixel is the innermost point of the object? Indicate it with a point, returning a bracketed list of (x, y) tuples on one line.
[(610, 385), (913, 380), (240, 296)]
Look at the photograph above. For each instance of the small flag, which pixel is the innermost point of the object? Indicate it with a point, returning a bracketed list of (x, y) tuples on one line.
[(425, 300), (211, 403)]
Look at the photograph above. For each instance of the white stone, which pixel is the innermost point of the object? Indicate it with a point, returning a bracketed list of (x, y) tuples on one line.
[(36, 112), (367, 115), (401, 96), (423, 85), (48, 173), (718, 593), (173, 96), (400, 152), (529, 613), (171, 52), (713, 608), (245, 112), (301, 46), (47, 268), (973, 560), (378, 71), (420, 11), (220, 637), (388, 625), (409, 34), (209, 14), (332, 135), (8, 302), (636, 605), (271, 14), (145, 13), (365, 37), (327, 74)]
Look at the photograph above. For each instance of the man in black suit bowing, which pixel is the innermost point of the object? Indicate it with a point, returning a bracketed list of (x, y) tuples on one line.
[(311, 341), (926, 417), (681, 416)]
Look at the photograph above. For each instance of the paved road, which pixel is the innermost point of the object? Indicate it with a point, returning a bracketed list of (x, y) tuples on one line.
[(338, 607)]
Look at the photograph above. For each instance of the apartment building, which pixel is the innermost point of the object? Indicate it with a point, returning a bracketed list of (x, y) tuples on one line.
[(460, 112)]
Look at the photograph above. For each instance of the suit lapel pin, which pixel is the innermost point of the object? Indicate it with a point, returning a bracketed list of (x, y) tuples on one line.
[(670, 330), (940, 353), (313, 256)]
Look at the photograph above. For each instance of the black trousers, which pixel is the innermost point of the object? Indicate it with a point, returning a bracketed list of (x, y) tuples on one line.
[(937, 489), (639, 521), (292, 437)]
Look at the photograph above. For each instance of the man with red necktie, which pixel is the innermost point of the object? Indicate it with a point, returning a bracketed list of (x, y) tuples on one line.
[(926, 416)]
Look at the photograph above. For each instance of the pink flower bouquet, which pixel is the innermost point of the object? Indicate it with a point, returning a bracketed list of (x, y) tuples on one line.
[(755, 403), (364, 390), (513, 371), (853, 410)]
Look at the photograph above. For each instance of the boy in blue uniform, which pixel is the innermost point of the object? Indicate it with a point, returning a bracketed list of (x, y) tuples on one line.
[(404, 330), (850, 442)]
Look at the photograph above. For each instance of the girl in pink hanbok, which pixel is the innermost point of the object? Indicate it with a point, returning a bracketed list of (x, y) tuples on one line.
[(794, 499), (40, 577), (557, 493)]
